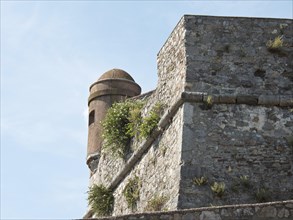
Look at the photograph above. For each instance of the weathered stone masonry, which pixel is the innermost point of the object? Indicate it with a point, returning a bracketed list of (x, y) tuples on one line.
[(228, 113), (263, 211), (245, 131)]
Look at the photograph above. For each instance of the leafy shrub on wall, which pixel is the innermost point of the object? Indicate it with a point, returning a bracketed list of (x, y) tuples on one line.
[(124, 121), (131, 192), (262, 194), (117, 131), (135, 119), (157, 203), (101, 200), (150, 122), (276, 43), (218, 188)]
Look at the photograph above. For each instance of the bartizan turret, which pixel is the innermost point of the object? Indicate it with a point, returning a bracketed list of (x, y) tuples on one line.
[(113, 86)]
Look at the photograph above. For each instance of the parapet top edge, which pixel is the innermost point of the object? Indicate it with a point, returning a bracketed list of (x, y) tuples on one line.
[(220, 17), (236, 17)]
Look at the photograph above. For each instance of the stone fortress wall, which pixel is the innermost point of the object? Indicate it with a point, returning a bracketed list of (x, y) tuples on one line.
[(261, 211), (228, 103), (245, 131)]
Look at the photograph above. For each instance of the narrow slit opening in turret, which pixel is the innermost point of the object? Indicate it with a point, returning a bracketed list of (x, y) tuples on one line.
[(91, 117)]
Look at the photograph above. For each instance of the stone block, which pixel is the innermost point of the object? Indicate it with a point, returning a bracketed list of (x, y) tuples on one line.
[(165, 217), (228, 99), (286, 100), (135, 218), (188, 113), (192, 96), (177, 217), (268, 100), (225, 213), (289, 205), (268, 211), (189, 216), (247, 99), (283, 213), (154, 217), (209, 215)]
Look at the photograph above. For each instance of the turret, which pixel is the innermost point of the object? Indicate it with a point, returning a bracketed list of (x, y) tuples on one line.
[(113, 86)]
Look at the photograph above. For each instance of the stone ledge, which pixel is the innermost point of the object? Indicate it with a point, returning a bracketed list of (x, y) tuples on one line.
[(286, 101), (247, 99), (268, 100), (228, 99), (270, 210)]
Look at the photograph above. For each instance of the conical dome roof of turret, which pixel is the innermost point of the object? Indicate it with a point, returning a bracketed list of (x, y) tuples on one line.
[(116, 74)]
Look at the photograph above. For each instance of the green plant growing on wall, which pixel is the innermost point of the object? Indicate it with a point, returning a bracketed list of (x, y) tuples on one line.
[(157, 203), (200, 181), (135, 119), (244, 180), (101, 200), (262, 194), (124, 121), (207, 102), (131, 192), (153, 160), (241, 183), (116, 138), (163, 150), (150, 122), (218, 188), (276, 43), (119, 127), (283, 26)]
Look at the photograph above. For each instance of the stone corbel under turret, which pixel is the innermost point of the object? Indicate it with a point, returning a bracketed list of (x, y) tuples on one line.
[(93, 161)]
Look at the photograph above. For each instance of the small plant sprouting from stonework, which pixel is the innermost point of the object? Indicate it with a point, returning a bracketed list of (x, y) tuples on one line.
[(135, 119), (276, 43), (131, 192), (241, 183), (200, 181), (150, 122), (157, 203), (218, 188), (283, 26), (163, 150), (262, 195), (101, 200), (207, 103), (153, 160), (244, 180), (209, 100)]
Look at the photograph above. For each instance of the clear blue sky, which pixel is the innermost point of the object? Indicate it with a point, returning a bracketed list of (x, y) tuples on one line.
[(51, 51)]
